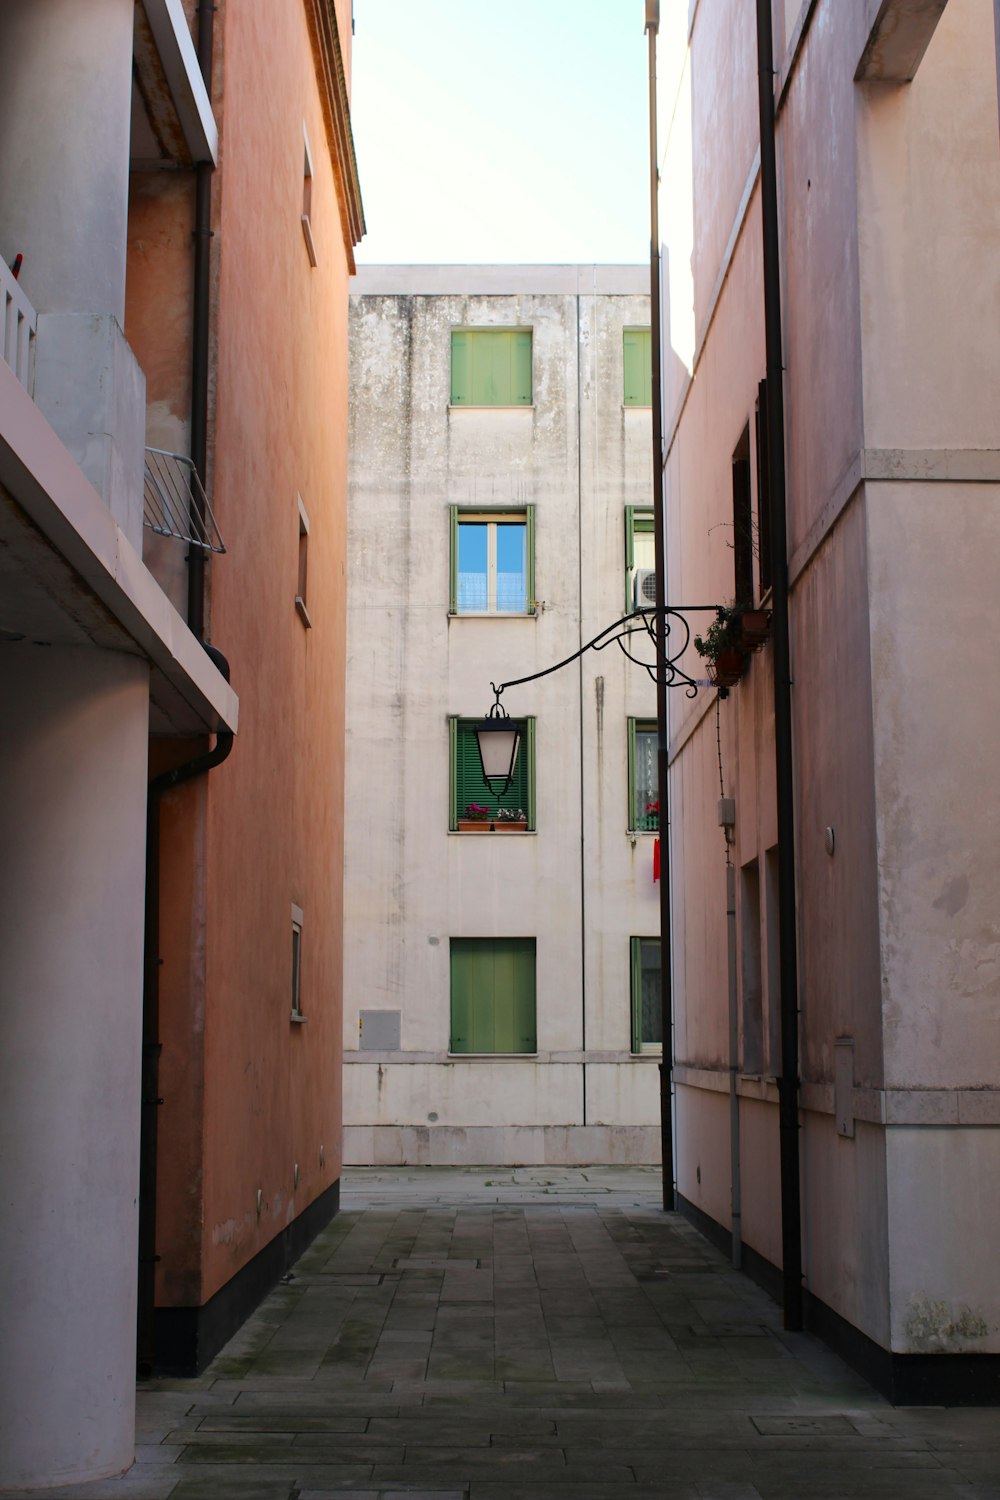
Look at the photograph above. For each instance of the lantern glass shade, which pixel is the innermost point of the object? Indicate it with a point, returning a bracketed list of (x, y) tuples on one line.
[(499, 741)]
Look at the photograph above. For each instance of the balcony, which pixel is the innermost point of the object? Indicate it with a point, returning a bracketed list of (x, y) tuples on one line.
[(18, 328)]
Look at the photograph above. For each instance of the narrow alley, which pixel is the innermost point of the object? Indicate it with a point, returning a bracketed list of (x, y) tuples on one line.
[(532, 1334)]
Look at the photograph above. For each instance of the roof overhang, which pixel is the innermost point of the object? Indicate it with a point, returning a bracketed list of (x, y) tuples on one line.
[(169, 79)]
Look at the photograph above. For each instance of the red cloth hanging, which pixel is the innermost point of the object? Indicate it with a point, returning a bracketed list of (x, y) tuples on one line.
[(656, 859)]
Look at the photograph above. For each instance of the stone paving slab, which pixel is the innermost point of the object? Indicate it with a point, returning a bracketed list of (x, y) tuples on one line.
[(538, 1334)]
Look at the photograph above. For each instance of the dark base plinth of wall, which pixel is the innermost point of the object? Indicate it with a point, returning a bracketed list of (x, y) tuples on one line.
[(188, 1338), (903, 1379)]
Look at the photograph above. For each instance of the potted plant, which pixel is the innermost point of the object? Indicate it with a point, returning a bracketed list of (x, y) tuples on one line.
[(510, 820), (475, 818), (648, 820), (755, 627), (721, 648)]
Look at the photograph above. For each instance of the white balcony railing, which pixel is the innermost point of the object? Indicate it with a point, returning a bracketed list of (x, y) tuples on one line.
[(17, 329)]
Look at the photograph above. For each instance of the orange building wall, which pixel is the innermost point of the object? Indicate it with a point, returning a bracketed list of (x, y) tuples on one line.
[(275, 810), (248, 1094)]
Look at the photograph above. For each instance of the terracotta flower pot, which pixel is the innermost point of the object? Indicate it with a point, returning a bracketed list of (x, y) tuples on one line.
[(483, 825), (755, 627), (727, 668)]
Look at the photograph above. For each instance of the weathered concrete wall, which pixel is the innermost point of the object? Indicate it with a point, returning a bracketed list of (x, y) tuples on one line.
[(579, 885)]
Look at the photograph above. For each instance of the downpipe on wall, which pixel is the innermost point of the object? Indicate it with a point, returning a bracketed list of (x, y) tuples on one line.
[(200, 329), (662, 757), (736, 1189), (788, 1082), (151, 1101)]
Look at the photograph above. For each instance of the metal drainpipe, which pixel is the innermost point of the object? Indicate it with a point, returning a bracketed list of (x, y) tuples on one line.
[(666, 992), (146, 1310), (788, 1083), (199, 341), (736, 1188)]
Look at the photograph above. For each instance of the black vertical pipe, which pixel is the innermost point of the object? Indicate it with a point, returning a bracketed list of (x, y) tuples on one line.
[(788, 1082), (662, 763), (149, 1117), (199, 340)]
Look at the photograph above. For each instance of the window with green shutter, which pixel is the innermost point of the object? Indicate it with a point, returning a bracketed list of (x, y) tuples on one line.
[(647, 1003), (470, 792), (643, 777), (493, 995), (640, 557), (637, 359), (491, 367)]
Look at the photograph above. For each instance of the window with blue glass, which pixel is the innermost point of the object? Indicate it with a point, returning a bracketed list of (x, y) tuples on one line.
[(492, 562)]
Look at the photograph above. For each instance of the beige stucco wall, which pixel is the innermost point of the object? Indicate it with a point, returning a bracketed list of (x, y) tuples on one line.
[(579, 885)]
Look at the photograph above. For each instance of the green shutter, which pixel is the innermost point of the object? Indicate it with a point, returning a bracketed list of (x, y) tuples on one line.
[(529, 548), (462, 990), (520, 389), (493, 995), (491, 367), (635, 945), (468, 784), (452, 773), (453, 577), (460, 375), (631, 774), (636, 354), (528, 751)]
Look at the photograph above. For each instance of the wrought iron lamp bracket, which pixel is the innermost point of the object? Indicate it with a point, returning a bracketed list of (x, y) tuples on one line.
[(643, 624)]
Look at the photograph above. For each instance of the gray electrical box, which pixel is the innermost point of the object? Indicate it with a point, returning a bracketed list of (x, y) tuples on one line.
[(379, 1030)]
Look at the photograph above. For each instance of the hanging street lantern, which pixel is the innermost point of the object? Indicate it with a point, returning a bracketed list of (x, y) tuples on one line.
[(499, 739)]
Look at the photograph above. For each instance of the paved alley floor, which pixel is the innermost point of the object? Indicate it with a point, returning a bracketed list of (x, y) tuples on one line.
[(533, 1334)]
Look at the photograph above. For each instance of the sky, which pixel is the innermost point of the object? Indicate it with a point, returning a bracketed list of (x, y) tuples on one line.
[(501, 130)]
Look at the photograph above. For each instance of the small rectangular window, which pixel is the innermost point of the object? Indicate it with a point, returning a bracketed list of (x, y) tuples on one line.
[(493, 995), (492, 562), (647, 995), (491, 367), (302, 582), (307, 186), (640, 558), (474, 806), (296, 1014), (638, 367), (643, 777)]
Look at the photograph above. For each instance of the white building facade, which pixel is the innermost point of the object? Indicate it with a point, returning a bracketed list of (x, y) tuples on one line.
[(501, 971)]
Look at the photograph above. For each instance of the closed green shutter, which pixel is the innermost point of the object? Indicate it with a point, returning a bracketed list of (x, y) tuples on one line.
[(467, 776), (493, 995), (636, 352), (459, 367), (631, 774), (635, 945), (520, 380), (491, 367)]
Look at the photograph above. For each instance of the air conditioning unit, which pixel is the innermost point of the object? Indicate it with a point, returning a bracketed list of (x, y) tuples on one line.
[(644, 588)]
